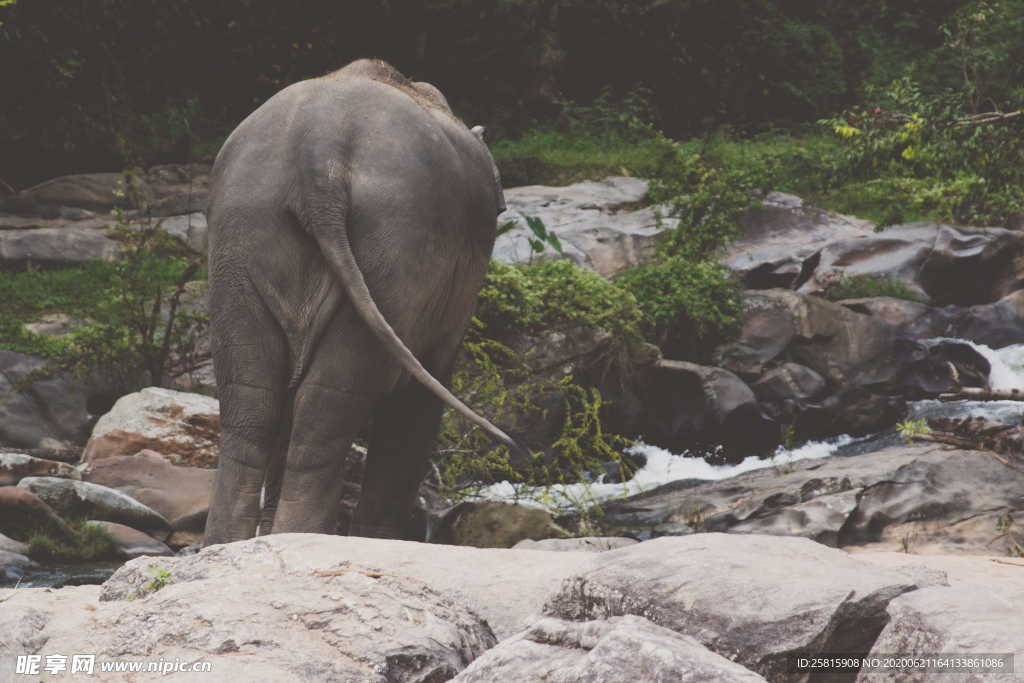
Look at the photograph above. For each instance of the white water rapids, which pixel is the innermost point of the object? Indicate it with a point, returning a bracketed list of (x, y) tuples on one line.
[(663, 466)]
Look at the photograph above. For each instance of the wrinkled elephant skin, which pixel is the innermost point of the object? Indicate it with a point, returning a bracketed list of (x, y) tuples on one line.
[(351, 221)]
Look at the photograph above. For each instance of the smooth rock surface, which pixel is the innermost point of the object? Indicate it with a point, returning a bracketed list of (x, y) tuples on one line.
[(256, 614), (597, 223), (185, 428), (83, 499), (779, 235), (619, 649), (181, 494), (130, 543), (942, 263), (753, 599)]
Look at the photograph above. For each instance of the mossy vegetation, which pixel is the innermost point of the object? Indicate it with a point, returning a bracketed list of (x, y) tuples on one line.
[(88, 542), (862, 287)]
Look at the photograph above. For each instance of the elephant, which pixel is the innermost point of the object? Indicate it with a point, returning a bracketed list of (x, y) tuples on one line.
[(351, 221)]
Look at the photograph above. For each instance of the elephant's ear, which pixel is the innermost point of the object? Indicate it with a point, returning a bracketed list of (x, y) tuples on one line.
[(478, 131)]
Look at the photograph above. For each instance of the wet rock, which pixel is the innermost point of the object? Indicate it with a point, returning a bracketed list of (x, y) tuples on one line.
[(492, 524), (912, 318), (16, 466), (688, 404), (130, 543), (180, 494), (756, 600), (819, 519), (82, 499), (184, 428), (598, 223), (994, 325), (779, 235), (22, 513), (626, 648), (14, 565)]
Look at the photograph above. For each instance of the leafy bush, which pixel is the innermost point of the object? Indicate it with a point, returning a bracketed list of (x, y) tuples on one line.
[(88, 543), (554, 295), (691, 306), (137, 332), (866, 286)]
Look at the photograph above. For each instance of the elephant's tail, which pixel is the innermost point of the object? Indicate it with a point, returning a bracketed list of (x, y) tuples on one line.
[(337, 250)]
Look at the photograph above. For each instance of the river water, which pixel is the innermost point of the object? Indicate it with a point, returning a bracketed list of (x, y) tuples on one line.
[(662, 466)]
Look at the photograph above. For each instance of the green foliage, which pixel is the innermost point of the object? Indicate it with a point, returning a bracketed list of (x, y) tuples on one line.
[(139, 330), (88, 543), (867, 286), (542, 237), (693, 301), (908, 429), (555, 295), (161, 579), (499, 385)]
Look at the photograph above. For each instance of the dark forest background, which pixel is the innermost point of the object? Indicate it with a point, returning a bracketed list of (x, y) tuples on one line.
[(99, 84)]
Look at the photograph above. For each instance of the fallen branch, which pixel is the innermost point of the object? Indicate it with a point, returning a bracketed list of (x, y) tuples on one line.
[(979, 394), (987, 117)]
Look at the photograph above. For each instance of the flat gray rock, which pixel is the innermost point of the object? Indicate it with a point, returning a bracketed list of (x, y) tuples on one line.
[(618, 649), (753, 599), (598, 223)]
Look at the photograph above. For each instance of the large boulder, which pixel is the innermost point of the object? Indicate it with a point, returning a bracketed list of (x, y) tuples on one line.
[(779, 235), (688, 405), (756, 600), (995, 325), (184, 428), (16, 466), (82, 499), (49, 413), (980, 611), (626, 648), (912, 318), (950, 501), (599, 224), (944, 264), (64, 246), (916, 498), (180, 494), (22, 513), (255, 613)]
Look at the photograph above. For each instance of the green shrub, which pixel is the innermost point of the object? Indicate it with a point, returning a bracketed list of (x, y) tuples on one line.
[(552, 295), (692, 304), (88, 543), (865, 286)]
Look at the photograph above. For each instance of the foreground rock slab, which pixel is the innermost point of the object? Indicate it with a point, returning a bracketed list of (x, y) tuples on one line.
[(981, 611), (618, 649), (276, 616), (756, 600)]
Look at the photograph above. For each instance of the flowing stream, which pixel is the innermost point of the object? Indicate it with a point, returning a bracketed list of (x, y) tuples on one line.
[(662, 466)]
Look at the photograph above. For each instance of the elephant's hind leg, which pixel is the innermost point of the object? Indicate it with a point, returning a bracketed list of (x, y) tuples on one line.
[(251, 380), (404, 433), (347, 375)]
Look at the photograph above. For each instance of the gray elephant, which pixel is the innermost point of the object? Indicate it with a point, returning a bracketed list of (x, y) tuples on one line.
[(352, 217)]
